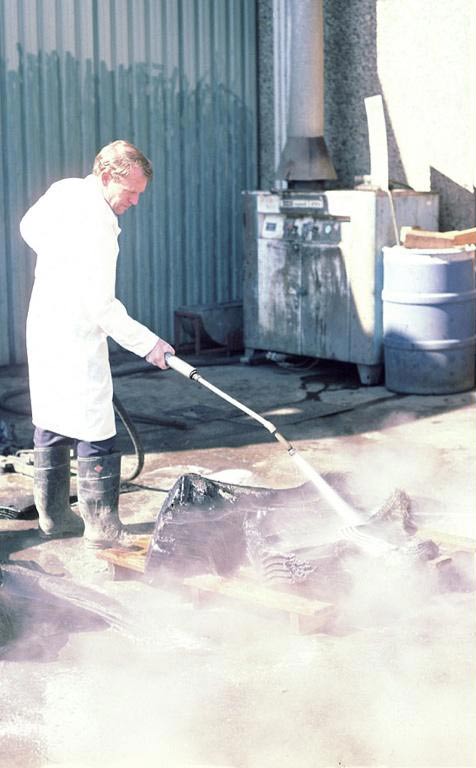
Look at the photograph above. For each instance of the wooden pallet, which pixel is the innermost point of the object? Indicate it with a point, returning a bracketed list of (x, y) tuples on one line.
[(304, 615)]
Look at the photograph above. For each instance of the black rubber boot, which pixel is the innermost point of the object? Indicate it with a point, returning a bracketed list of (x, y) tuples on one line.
[(51, 486), (99, 479)]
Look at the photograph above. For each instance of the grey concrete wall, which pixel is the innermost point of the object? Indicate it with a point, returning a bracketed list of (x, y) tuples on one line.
[(266, 94), (420, 55)]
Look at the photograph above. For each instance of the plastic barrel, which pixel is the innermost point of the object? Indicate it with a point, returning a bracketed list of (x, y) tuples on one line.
[(429, 320)]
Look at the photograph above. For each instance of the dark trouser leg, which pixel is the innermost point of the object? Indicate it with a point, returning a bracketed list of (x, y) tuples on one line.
[(51, 485), (96, 448)]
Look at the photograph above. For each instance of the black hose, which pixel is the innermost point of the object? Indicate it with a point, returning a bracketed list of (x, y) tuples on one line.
[(11, 409), (121, 412), (134, 436), (119, 409)]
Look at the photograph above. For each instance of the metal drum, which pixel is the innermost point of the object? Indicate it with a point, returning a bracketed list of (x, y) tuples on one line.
[(429, 320)]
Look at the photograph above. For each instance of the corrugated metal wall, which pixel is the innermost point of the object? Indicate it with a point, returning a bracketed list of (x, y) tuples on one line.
[(176, 77)]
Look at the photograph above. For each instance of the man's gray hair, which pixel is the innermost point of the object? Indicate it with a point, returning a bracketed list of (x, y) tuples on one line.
[(118, 158)]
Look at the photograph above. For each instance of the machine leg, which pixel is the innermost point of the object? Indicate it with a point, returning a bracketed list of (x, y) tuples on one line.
[(253, 356), (369, 375)]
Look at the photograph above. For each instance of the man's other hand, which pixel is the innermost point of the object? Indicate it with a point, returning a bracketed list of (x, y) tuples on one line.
[(156, 355)]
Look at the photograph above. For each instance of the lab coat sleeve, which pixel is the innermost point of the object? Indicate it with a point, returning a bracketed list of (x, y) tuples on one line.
[(115, 321)]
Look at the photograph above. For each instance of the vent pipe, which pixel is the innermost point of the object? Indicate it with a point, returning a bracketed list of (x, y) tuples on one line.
[(305, 159)]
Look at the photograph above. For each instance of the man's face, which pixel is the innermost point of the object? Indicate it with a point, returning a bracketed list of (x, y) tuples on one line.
[(123, 191)]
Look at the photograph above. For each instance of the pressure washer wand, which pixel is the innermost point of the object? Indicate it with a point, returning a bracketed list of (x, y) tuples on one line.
[(344, 510), (192, 373)]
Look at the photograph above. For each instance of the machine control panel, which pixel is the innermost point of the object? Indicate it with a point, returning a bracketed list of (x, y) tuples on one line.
[(304, 229), (303, 202)]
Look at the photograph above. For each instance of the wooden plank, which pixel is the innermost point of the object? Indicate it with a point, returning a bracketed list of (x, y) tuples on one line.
[(127, 558), (440, 562), (305, 615), (448, 540), (413, 237)]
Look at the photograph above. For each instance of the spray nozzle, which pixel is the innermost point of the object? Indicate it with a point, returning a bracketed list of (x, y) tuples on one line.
[(281, 439)]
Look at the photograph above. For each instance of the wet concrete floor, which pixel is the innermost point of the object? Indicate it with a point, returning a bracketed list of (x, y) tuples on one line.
[(121, 673)]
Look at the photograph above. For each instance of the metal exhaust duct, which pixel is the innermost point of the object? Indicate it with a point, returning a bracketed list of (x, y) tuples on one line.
[(305, 157)]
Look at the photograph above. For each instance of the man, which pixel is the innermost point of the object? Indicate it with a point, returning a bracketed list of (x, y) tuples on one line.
[(73, 229)]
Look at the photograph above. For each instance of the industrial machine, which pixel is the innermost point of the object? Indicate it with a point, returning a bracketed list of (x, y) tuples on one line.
[(313, 263), (313, 270)]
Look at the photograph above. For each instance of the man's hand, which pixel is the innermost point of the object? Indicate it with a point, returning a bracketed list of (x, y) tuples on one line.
[(156, 355)]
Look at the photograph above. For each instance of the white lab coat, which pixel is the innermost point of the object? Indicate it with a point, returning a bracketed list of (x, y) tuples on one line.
[(73, 309)]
